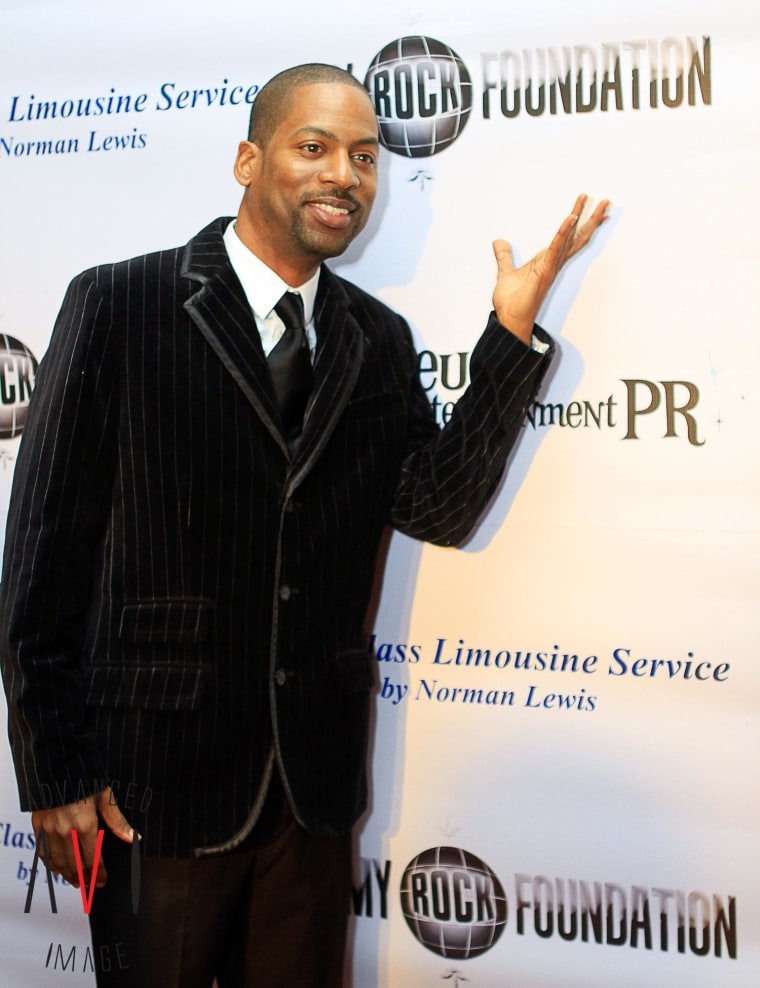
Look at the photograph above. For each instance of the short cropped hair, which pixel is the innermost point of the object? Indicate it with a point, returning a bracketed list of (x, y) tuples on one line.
[(273, 100)]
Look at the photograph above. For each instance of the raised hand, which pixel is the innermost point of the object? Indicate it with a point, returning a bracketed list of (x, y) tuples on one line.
[(520, 292)]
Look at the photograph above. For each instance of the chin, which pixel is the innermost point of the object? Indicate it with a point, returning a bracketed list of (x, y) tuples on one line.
[(325, 247)]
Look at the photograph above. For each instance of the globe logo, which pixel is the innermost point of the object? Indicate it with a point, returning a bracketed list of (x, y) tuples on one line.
[(453, 903), (422, 94), (17, 372)]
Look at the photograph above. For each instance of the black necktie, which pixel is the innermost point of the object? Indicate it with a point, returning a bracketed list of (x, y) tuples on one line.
[(290, 366)]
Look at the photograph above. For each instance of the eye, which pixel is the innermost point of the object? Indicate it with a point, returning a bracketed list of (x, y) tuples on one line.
[(365, 158), (311, 147)]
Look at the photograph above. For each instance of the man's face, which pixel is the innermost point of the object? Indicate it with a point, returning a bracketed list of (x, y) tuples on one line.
[(310, 189)]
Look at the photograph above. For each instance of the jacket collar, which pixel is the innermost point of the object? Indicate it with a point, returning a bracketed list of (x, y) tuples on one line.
[(221, 312)]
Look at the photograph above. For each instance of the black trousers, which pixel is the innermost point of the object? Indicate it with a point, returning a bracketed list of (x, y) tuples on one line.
[(273, 913)]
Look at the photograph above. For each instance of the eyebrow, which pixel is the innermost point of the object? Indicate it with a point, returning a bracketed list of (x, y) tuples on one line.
[(310, 129)]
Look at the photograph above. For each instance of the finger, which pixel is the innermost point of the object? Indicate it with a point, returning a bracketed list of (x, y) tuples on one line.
[(85, 823), (87, 841), (63, 859), (53, 851), (596, 219), (503, 253), (584, 234), (117, 823), (579, 205), (90, 850), (114, 819), (559, 248)]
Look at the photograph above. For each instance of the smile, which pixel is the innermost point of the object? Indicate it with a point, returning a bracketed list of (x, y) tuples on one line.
[(330, 214), (334, 210)]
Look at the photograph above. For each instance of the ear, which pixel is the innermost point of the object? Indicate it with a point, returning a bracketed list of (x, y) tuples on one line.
[(246, 161)]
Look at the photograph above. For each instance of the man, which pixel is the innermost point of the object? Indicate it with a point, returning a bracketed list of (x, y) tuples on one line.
[(195, 521)]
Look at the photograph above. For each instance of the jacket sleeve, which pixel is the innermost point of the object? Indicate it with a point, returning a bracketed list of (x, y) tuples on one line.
[(58, 510), (450, 474)]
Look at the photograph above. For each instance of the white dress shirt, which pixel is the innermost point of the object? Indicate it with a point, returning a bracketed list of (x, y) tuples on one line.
[(264, 289)]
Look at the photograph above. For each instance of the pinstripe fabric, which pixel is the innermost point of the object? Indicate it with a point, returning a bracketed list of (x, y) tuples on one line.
[(176, 590)]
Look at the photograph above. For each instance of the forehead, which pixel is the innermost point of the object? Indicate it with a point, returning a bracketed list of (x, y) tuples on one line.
[(331, 107)]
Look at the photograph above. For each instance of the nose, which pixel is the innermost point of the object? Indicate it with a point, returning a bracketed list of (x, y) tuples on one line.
[(338, 169)]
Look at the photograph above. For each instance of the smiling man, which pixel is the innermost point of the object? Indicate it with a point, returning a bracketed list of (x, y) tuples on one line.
[(219, 435), (310, 174)]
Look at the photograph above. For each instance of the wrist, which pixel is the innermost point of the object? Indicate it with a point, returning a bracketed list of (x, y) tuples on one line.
[(520, 328)]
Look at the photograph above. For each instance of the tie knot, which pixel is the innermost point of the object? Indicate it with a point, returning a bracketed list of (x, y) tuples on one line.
[(290, 310)]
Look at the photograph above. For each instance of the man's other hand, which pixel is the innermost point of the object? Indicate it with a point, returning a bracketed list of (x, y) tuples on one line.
[(83, 816)]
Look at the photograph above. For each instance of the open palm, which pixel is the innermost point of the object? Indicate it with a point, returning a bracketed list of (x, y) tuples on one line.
[(520, 292)]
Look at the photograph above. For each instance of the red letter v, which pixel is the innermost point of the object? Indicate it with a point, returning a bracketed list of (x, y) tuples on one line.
[(87, 902)]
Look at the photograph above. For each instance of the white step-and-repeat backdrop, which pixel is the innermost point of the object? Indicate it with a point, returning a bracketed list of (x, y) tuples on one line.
[(566, 751)]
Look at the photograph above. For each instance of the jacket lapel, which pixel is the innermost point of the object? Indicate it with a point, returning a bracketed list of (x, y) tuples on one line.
[(340, 348), (221, 312)]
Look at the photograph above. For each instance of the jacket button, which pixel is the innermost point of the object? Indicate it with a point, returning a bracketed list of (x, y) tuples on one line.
[(281, 677), (285, 592)]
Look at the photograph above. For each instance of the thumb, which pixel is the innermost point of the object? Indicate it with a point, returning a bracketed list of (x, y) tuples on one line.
[(502, 251), (113, 818)]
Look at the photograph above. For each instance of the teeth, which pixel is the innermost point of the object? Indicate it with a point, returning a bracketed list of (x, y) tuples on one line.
[(334, 210)]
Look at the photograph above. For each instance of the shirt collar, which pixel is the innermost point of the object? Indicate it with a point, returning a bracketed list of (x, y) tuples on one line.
[(263, 288)]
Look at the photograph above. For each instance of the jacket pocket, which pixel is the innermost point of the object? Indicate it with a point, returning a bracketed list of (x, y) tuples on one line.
[(176, 620), (154, 687)]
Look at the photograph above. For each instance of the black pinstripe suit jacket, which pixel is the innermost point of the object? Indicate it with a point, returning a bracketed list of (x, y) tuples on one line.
[(177, 591)]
